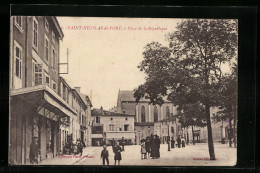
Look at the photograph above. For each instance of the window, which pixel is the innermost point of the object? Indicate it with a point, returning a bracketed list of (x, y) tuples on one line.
[(142, 114), (111, 127), (120, 129), (111, 118), (46, 48), (18, 60), (167, 112), (38, 74), (53, 37), (53, 58), (125, 118), (35, 33), (46, 25), (47, 79), (97, 119), (123, 112), (126, 127), (155, 114), (18, 23), (54, 86), (64, 92)]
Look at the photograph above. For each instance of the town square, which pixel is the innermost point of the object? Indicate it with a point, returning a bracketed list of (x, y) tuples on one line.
[(123, 91)]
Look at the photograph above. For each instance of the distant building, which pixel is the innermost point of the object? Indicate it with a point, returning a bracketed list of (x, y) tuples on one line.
[(108, 126), (145, 113)]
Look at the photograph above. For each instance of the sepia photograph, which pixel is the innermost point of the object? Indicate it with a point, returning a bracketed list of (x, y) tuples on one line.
[(123, 91)]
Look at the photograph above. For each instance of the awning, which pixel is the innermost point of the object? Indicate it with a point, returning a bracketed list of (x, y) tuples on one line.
[(43, 96)]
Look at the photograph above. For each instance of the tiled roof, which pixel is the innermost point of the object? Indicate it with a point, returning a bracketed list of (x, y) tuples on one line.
[(83, 97), (99, 112), (127, 95)]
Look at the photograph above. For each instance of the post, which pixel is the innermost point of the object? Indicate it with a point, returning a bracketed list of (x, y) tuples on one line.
[(168, 138)]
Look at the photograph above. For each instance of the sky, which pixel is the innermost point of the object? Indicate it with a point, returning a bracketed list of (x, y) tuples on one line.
[(103, 59)]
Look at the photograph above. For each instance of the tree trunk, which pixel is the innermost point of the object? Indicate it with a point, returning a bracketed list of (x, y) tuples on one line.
[(210, 137), (230, 133), (193, 141)]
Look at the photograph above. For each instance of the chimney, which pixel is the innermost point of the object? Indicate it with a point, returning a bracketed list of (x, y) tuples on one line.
[(77, 89)]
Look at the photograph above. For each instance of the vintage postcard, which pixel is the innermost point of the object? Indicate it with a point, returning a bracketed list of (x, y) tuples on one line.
[(123, 91)]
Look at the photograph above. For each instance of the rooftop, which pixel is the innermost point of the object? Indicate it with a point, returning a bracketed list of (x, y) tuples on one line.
[(128, 95), (100, 112)]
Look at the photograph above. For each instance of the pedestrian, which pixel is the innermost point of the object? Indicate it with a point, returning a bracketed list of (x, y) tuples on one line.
[(157, 146), (143, 150), (179, 142), (182, 142), (123, 144), (34, 151), (117, 151), (105, 155), (153, 146), (80, 147), (172, 143), (148, 147), (113, 144)]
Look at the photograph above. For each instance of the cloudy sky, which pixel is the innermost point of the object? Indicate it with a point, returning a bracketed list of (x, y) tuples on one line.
[(104, 61)]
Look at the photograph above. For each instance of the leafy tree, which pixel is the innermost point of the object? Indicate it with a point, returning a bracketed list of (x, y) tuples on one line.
[(192, 115), (190, 70), (228, 101)]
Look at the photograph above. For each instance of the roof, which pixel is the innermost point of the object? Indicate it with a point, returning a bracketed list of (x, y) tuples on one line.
[(79, 97), (99, 112), (128, 95), (86, 99)]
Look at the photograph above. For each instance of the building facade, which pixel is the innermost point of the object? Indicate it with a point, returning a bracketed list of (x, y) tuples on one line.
[(146, 114), (42, 104), (108, 126), (36, 108)]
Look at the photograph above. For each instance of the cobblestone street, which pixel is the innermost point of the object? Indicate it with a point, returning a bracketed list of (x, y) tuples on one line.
[(191, 155)]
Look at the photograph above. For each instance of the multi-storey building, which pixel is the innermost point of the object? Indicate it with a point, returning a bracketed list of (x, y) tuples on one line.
[(146, 114), (87, 119), (108, 126), (36, 108)]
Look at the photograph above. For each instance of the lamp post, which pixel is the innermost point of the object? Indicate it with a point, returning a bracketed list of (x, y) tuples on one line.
[(168, 138), (149, 130), (139, 136)]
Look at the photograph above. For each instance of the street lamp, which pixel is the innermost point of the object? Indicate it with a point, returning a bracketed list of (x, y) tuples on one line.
[(139, 136), (168, 139), (149, 130)]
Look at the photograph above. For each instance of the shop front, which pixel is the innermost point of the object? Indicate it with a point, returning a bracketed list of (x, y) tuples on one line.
[(35, 112)]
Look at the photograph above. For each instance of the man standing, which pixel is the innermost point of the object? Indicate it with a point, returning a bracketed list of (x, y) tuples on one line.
[(34, 151), (105, 155), (179, 142), (123, 144)]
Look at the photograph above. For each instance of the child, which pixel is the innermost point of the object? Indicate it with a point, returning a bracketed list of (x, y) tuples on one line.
[(105, 155), (117, 151), (143, 150)]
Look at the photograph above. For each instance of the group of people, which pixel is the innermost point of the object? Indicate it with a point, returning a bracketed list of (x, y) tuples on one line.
[(180, 142), (117, 151), (76, 148), (150, 147)]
